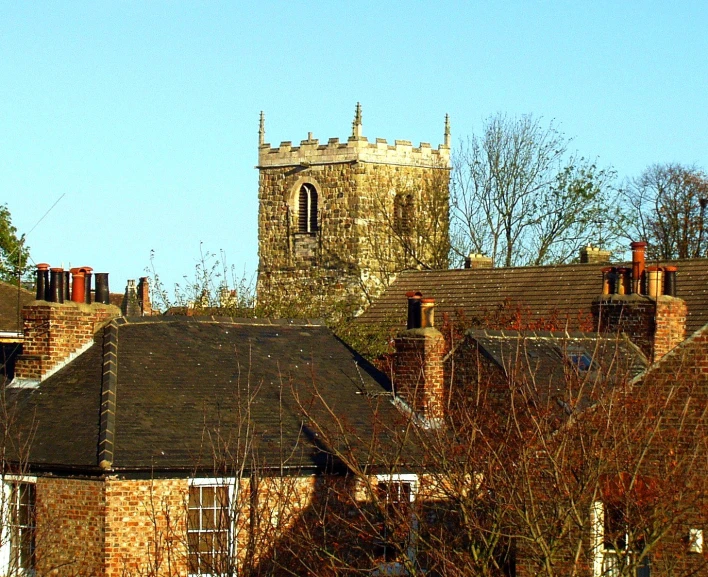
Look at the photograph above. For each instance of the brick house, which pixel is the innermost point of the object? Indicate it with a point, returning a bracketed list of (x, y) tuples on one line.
[(185, 445), (624, 405), (556, 297), (174, 446)]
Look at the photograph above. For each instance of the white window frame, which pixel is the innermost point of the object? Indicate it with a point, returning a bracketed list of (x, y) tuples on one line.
[(395, 568), (7, 482), (231, 485), (695, 540), (605, 559)]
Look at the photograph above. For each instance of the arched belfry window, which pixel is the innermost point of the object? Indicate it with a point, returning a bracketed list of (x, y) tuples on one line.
[(307, 209), (403, 213)]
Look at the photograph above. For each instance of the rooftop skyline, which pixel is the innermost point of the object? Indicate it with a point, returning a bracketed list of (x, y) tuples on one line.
[(142, 118)]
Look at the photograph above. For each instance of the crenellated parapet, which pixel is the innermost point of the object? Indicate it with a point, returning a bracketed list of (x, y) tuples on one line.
[(357, 148), (361, 150)]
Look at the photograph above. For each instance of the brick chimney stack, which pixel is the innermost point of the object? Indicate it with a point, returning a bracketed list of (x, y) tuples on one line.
[(593, 254), (475, 260), (655, 322), (144, 296), (55, 333), (130, 306), (418, 363)]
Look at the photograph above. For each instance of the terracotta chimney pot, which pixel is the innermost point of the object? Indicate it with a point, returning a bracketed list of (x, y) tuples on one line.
[(427, 313), (638, 264), (77, 285), (606, 288)]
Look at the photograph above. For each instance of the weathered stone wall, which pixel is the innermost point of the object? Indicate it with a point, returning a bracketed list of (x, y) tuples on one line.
[(71, 531), (359, 245)]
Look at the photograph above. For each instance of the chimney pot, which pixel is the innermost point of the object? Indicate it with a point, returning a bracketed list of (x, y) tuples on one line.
[(655, 281), (414, 309), (670, 280), (622, 282), (427, 313), (78, 290), (607, 280), (638, 265), (102, 294), (87, 283), (42, 282), (56, 285), (67, 281)]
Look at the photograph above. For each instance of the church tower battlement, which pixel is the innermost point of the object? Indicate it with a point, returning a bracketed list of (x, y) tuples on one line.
[(337, 221), (357, 148)]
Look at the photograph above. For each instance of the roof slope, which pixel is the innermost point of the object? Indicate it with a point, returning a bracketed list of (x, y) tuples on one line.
[(563, 293), (198, 393), (12, 299), (558, 368)]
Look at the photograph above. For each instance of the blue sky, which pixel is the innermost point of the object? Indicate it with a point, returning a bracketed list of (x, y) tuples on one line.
[(144, 115)]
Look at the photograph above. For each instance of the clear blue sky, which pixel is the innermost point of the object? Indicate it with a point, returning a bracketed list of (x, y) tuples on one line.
[(144, 115)]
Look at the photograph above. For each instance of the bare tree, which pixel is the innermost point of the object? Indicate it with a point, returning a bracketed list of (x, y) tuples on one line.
[(518, 197), (666, 206)]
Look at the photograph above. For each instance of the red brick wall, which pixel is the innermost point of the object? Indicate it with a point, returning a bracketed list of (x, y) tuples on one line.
[(418, 371), (70, 527), (53, 331), (145, 527), (654, 325), (670, 324)]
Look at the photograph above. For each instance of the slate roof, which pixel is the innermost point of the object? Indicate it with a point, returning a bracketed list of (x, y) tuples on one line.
[(196, 393), (12, 300), (562, 367), (564, 292)]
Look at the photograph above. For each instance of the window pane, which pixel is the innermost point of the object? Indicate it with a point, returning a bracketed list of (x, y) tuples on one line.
[(193, 520), (194, 498), (207, 496), (208, 520), (193, 563)]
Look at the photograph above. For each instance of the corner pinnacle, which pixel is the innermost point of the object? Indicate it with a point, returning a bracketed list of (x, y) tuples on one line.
[(356, 125), (261, 130)]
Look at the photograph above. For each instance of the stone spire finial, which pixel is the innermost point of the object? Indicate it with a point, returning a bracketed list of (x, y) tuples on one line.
[(356, 125), (261, 130), (446, 140)]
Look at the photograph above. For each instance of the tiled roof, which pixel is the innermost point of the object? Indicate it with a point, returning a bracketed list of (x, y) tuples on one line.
[(546, 360), (563, 292), (192, 391), (12, 299)]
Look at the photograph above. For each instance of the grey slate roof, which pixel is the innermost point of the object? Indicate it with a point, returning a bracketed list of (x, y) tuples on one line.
[(549, 362), (199, 393), (564, 292)]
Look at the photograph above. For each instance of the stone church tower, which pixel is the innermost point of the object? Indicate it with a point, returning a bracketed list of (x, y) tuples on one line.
[(337, 221)]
